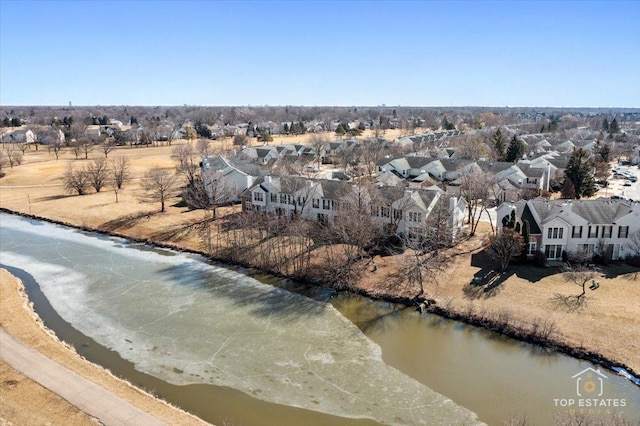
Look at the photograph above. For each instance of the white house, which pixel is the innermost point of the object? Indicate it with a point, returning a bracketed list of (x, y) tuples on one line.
[(233, 180), (19, 136), (610, 228)]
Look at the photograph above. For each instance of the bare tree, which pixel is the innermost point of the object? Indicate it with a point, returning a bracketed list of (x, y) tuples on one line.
[(580, 276), (371, 150), (204, 147), (159, 185), (476, 190), (208, 194), (13, 154), (318, 144), (186, 163), (76, 147), (120, 170), (3, 162), (86, 145), (106, 147), (76, 181), (98, 173), (505, 246)]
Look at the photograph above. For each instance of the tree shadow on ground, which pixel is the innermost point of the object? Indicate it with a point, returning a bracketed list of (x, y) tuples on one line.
[(486, 283), (56, 197), (614, 270), (127, 221), (525, 270)]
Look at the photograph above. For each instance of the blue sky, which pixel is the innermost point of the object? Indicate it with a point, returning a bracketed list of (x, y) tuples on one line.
[(423, 53)]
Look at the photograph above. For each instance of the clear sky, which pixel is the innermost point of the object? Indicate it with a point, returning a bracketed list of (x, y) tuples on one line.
[(422, 53)]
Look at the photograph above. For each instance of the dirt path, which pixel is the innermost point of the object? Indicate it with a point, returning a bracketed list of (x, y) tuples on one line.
[(82, 393)]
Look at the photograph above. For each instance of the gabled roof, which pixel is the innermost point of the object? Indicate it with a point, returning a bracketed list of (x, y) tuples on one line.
[(418, 162), (529, 171), (600, 211)]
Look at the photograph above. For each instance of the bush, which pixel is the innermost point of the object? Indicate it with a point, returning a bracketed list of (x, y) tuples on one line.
[(540, 259), (633, 261)]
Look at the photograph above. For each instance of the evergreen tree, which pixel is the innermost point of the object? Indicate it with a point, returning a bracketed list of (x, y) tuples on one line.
[(526, 237), (579, 173), (16, 122), (614, 127), (605, 125), (515, 150), (133, 120), (286, 128), (605, 152), (499, 142), (6, 122)]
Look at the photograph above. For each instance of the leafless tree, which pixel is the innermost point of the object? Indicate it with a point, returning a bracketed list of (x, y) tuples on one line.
[(204, 147), (186, 163), (76, 147), (159, 185), (505, 246), (371, 151), (120, 170), (13, 155), (106, 147), (476, 190), (76, 180), (22, 147), (208, 194), (318, 144), (86, 145), (3, 162), (98, 173)]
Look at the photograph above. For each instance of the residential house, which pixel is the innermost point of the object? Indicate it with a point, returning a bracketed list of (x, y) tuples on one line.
[(233, 181), (606, 227), (19, 136), (404, 211)]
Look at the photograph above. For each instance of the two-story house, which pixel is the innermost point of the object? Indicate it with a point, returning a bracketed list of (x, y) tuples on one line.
[(604, 226)]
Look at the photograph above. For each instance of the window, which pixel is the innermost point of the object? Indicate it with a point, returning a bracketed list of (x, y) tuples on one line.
[(555, 233), (258, 196), (397, 214), (588, 249), (593, 231), (315, 203), (325, 204), (607, 230), (623, 231), (577, 232), (274, 198), (386, 212), (531, 249), (415, 217), (283, 199)]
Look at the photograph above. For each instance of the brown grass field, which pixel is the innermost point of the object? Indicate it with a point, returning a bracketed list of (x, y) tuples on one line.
[(608, 324)]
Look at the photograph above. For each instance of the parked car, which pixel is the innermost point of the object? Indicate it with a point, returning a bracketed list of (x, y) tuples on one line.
[(627, 182)]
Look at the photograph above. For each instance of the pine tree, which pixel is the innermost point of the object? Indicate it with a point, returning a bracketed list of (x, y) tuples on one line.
[(614, 127), (605, 125), (499, 142), (515, 150), (579, 173)]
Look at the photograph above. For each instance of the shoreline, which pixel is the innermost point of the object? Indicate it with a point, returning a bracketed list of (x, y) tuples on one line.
[(20, 320), (424, 304)]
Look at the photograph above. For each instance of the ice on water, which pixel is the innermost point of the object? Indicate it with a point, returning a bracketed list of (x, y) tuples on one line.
[(186, 322)]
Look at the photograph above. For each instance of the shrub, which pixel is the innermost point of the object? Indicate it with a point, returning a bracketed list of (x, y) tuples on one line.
[(540, 259)]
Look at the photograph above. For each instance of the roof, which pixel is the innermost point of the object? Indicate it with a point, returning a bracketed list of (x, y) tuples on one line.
[(417, 162), (600, 211)]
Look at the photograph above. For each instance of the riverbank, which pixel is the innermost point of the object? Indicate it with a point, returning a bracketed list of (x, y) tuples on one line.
[(18, 319)]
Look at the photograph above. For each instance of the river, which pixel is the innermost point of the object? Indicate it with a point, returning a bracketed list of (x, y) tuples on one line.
[(234, 348)]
